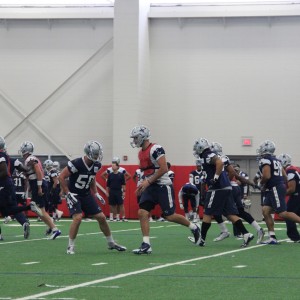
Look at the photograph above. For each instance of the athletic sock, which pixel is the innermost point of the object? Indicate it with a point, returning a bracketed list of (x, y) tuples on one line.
[(240, 226), (204, 228)]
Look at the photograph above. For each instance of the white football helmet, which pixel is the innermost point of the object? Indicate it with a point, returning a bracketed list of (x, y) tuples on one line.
[(2, 144), (286, 159), (116, 160), (56, 165), (26, 148), (198, 162), (93, 150), (199, 146), (266, 147), (139, 134), (217, 148), (48, 164)]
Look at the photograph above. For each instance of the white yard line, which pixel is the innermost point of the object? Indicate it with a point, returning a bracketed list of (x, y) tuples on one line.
[(110, 278)]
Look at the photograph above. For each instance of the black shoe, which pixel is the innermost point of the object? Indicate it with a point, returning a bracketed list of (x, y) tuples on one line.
[(248, 237), (117, 247), (26, 228), (144, 249)]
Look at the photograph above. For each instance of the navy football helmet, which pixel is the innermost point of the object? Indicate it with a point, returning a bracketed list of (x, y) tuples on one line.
[(93, 151)]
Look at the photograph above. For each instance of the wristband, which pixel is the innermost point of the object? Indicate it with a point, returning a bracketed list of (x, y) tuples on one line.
[(39, 182), (216, 177)]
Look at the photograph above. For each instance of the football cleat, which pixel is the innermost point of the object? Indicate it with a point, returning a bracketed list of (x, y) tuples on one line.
[(26, 228), (124, 220), (71, 250), (7, 219), (48, 231), (222, 236), (260, 236), (114, 246), (144, 249), (248, 237), (197, 235), (54, 234), (36, 209), (270, 241)]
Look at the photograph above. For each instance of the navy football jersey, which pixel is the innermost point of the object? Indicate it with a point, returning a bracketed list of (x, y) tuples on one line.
[(6, 184), (19, 181), (115, 180), (210, 170), (197, 177), (189, 189), (293, 173), (276, 170), (81, 175)]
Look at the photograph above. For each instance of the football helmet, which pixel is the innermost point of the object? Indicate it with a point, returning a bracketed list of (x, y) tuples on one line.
[(2, 144), (217, 148), (266, 147), (116, 160), (48, 164), (199, 146), (198, 162), (139, 134), (26, 148), (286, 159), (56, 165), (93, 151)]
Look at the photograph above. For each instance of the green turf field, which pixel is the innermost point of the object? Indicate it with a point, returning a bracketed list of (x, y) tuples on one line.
[(40, 269)]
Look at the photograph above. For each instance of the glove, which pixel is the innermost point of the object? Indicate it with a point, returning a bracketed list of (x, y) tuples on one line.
[(71, 199), (181, 206), (100, 198), (213, 181)]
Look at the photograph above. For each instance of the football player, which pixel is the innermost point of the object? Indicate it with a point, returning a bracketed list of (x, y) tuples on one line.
[(293, 191), (235, 176), (38, 185), (156, 188), (8, 204), (82, 192), (115, 215), (218, 200), (273, 183)]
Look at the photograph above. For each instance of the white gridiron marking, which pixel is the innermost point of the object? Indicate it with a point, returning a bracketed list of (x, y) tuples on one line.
[(124, 275), (240, 266), (99, 264), (31, 263)]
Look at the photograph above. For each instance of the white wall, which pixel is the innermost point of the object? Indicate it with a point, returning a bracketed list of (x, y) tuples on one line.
[(36, 58), (224, 81), (208, 78)]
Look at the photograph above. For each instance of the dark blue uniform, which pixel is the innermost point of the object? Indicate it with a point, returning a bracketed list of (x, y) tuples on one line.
[(189, 192), (114, 183), (79, 183), (275, 187), (6, 184), (293, 205), (218, 200)]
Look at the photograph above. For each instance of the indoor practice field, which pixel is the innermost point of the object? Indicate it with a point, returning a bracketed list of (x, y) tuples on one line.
[(38, 268)]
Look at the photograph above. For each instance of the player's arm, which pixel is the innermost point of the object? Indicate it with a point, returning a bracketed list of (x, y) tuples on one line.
[(39, 176), (93, 187), (163, 168), (232, 173), (291, 187), (266, 174), (217, 161), (127, 176), (104, 175), (65, 173)]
